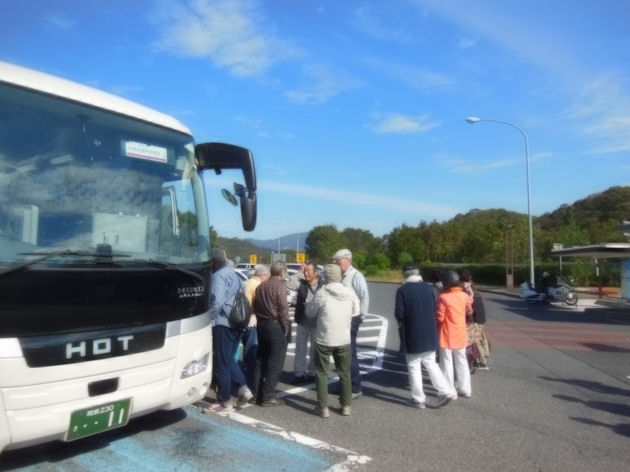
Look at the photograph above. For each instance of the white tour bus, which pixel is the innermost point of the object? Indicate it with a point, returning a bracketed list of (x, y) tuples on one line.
[(104, 258)]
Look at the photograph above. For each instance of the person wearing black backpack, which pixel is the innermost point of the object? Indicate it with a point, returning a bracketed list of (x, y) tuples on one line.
[(224, 285)]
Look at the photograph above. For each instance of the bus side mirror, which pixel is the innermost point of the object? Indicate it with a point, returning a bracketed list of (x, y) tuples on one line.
[(219, 156)]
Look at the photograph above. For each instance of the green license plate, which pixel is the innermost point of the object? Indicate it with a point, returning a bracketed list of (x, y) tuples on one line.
[(98, 418)]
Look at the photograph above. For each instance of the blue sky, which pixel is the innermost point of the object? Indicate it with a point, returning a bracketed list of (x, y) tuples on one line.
[(355, 110)]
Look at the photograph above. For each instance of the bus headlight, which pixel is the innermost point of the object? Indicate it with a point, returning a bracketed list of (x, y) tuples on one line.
[(195, 367)]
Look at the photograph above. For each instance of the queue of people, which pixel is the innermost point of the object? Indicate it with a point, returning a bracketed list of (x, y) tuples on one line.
[(433, 319)]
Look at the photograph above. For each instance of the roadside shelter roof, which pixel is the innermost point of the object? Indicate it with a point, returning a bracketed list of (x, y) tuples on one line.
[(601, 251)]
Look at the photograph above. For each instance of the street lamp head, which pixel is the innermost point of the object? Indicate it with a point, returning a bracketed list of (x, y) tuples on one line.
[(472, 120)]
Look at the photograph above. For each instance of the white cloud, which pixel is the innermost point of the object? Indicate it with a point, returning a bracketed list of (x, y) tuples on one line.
[(59, 23), (421, 79), (348, 198), (603, 109), (400, 206), (465, 43), (396, 123), (231, 33), (256, 125), (367, 19), (600, 103), (321, 83), (525, 35), (126, 90), (469, 167)]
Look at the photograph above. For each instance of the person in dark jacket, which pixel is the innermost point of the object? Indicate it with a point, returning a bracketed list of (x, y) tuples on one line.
[(273, 325), (309, 285), (415, 313)]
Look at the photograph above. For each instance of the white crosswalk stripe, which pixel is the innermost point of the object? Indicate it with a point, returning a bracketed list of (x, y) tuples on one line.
[(370, 342)]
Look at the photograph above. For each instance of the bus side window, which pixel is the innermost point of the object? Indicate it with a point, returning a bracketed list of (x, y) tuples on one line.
[(169, 223), (20, 223)]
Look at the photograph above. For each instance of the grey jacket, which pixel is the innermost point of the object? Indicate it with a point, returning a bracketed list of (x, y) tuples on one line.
[(334, 306)]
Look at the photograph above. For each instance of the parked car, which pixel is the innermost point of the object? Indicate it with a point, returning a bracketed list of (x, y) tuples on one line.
[(242, 274), (242, 265)]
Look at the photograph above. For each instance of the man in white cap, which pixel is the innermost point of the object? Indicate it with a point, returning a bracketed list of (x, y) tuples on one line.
[(224, 286), (355, 280)]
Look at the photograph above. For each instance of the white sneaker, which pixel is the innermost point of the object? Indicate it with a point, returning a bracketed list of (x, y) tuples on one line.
[(219, 408), (244, 396)]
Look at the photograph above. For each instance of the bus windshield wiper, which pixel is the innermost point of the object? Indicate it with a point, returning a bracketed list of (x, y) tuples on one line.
[(168, 266), (50, 254)]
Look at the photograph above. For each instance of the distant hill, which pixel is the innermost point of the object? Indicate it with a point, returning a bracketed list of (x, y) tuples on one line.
[(591, 220), (239, 248), (290, 241), (242, 248), (610, 206)]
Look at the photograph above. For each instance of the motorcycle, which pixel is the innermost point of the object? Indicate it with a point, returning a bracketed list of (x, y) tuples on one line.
[(563, 291)]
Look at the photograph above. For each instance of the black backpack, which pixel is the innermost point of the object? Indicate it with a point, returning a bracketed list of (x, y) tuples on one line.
[(241, 312)]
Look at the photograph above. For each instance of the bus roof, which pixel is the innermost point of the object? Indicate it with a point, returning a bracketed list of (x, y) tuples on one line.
[(63, 88)]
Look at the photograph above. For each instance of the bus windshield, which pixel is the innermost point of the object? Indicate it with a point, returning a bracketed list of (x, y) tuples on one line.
[(77, 180)]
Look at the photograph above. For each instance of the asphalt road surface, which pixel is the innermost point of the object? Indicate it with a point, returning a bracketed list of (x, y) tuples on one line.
[(556, 398)]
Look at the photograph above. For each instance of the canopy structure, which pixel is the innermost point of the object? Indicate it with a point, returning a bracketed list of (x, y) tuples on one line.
[(600, 251), (604, 251)]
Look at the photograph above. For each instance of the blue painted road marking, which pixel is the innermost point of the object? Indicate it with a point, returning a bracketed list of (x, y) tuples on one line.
[(192, 442)]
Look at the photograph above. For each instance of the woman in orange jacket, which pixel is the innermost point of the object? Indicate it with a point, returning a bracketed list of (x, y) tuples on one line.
[(452, 308)]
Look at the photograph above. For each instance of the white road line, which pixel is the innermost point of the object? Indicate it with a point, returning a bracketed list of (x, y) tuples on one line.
[(352, 459), (376, 323)]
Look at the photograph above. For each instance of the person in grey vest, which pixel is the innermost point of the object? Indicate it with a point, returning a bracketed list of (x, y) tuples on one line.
[(354, 279), (309, 284)]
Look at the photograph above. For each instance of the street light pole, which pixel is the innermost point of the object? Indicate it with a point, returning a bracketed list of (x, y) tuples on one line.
[(472, 120)]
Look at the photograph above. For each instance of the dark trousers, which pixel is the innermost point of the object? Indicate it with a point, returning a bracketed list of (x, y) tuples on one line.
[(341, 356), (272, 350), (227, 372), (355, 370)]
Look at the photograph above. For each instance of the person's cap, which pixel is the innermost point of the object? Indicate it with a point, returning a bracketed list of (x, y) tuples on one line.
[(450, 278), (410, 269), (218, 254), (260, 270), (342, 254), (332, 272)]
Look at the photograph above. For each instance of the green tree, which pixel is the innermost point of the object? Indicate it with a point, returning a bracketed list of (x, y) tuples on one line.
[(405, 244), (213, 236), (360, 259), (322, 242), (361, 240)]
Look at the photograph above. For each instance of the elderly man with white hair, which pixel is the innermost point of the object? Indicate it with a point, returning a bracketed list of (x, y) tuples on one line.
[(355, 280), (415, 313)]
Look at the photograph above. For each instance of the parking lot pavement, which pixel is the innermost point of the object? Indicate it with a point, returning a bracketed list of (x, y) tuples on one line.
[(371, 343), (182, 440), (587, 300)]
